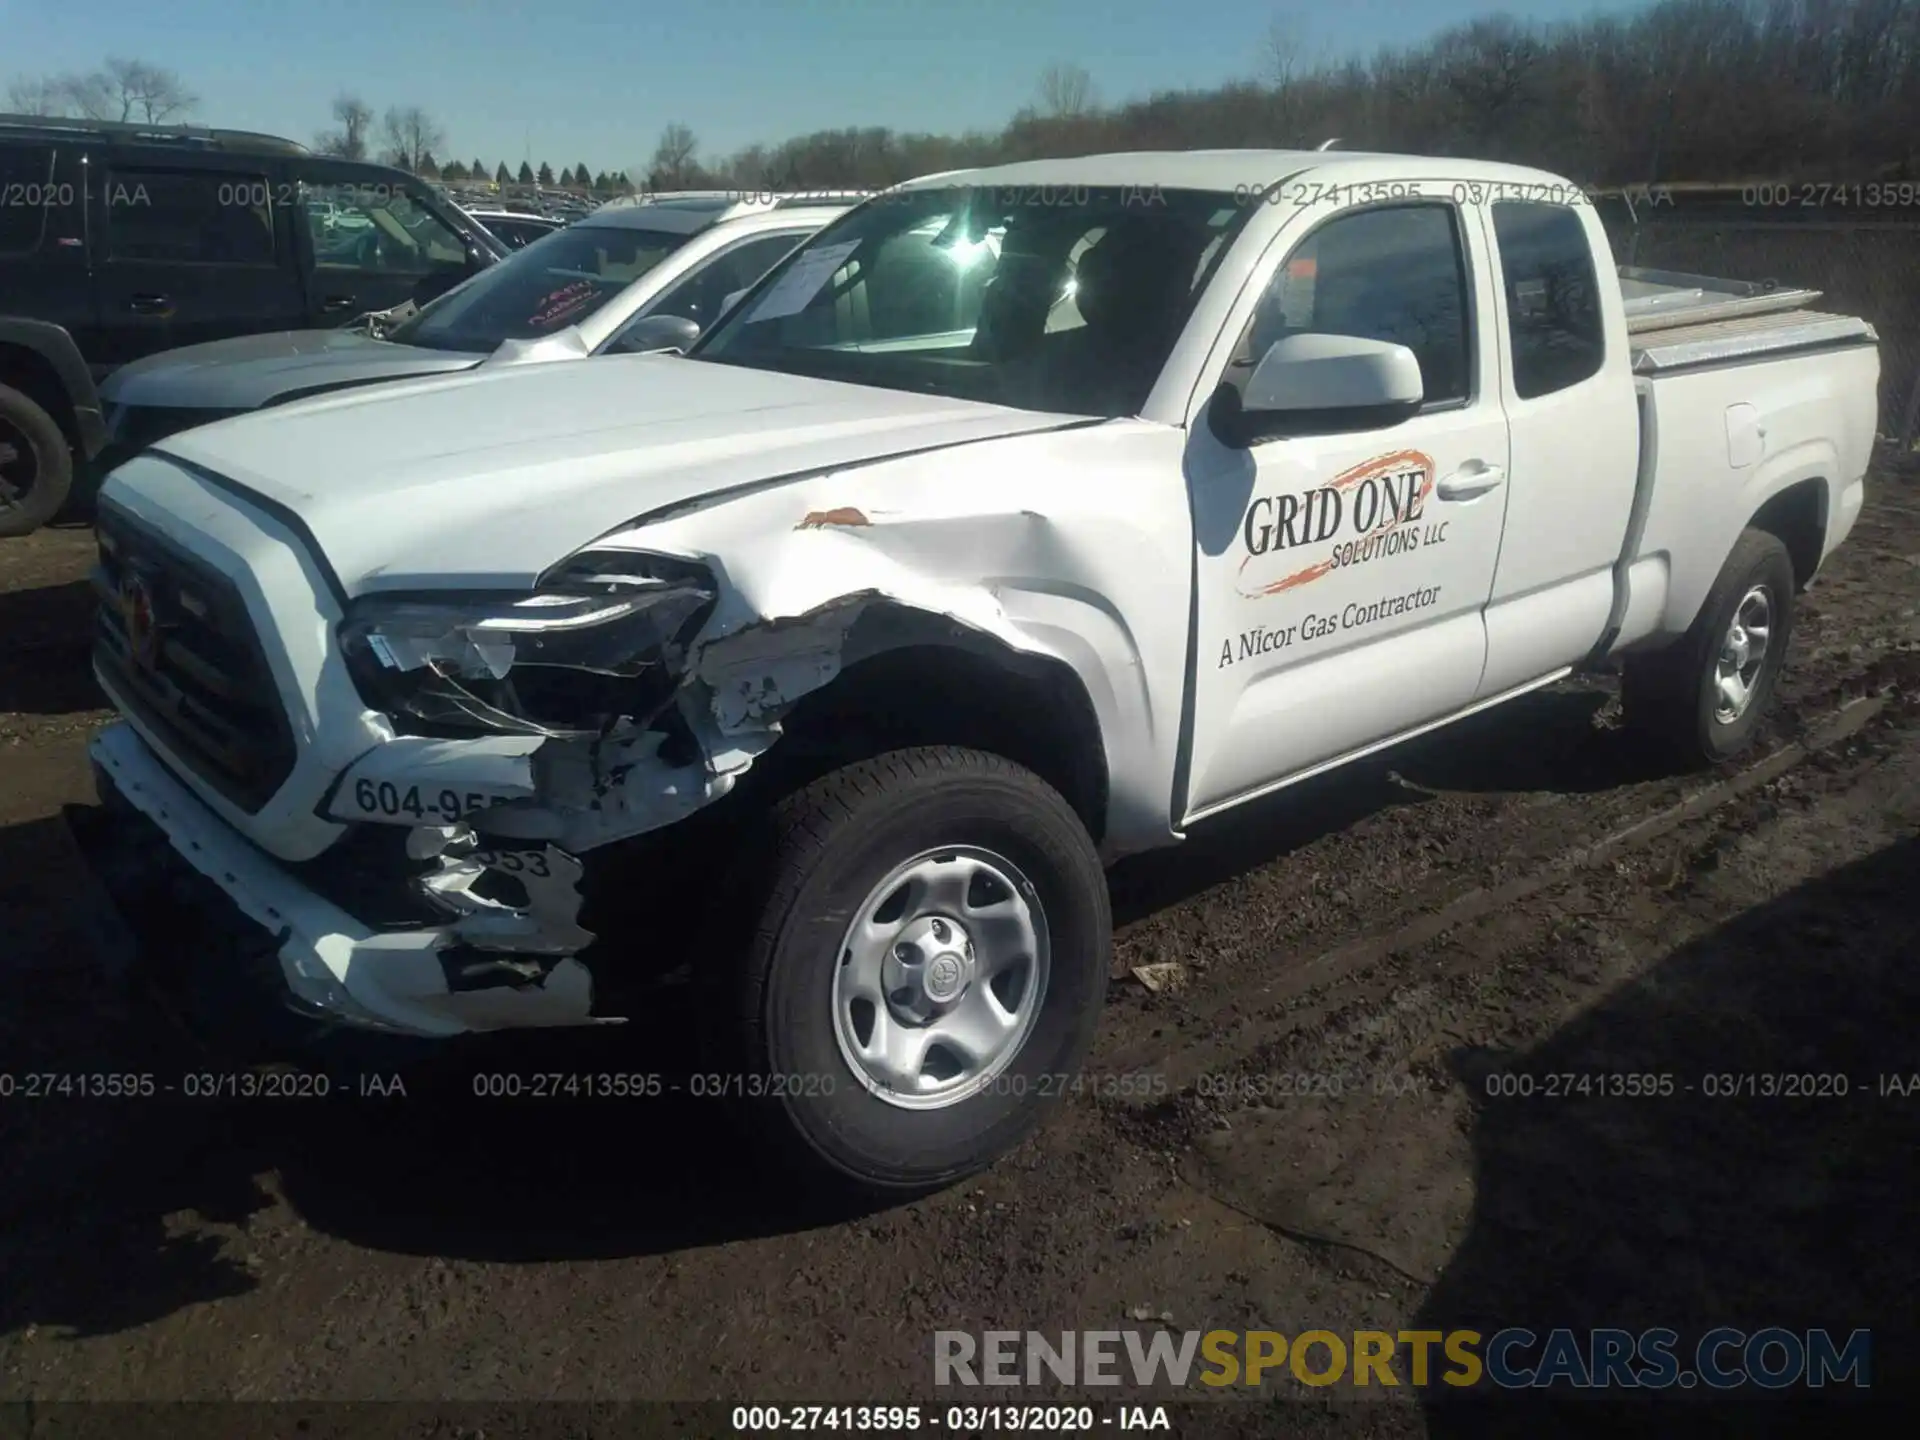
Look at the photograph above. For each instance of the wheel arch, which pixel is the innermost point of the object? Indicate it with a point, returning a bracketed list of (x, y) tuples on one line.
[(910, 678), (1797, 516)]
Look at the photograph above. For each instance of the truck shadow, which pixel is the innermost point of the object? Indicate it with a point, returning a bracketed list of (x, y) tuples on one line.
[(89, 1206), (45, 633), (1549, 741), (1695, 1210)]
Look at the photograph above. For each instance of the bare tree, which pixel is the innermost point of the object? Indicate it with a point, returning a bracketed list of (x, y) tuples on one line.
[(672, 165), (124, 90), (45, 96), (410, 135), (1065, 91), (1285, 51), (355, 119), (148, 92)]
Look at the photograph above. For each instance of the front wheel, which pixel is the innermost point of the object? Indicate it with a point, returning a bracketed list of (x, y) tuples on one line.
[(927, 968), (1702, 698)]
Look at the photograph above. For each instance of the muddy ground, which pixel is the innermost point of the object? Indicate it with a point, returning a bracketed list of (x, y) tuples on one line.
[(1519, 898)]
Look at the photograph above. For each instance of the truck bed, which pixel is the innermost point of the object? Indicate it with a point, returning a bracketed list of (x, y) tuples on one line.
[(1678, 321)]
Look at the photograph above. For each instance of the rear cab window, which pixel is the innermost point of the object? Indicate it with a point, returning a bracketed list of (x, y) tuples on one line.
[(1555, 333)]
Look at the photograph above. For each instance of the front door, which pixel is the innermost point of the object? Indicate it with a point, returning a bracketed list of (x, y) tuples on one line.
[(1343, 576), (371, 242)]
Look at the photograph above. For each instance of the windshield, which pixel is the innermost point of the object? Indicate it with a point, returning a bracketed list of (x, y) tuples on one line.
[(557, 281), (1067, 300)]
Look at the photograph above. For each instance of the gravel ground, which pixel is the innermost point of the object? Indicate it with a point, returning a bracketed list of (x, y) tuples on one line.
[(1441, 941)]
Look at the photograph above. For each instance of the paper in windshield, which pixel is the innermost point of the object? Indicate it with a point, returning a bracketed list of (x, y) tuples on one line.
[(802, 282)]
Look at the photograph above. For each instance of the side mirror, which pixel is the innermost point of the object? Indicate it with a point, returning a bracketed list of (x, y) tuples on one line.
[(1309, 384), (1333, 372), (733, 298), (652, 333)]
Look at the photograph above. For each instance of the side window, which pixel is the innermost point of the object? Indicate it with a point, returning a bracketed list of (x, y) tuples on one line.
[(377, 227), (27, 192), (1397, 274), (699, 295), (206, 217), (1553, 299)]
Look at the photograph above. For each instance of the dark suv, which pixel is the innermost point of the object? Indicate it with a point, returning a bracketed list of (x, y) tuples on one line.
[(120, 240)]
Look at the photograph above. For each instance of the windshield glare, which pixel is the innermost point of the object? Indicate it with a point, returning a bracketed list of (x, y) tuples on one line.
[(556, 281), (1067, 301)]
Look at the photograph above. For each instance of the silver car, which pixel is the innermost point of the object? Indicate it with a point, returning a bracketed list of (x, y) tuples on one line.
[(647, 276)]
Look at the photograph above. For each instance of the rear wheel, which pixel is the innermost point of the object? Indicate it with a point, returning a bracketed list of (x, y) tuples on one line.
[(928, 965), (1702, 698), (36, 465)]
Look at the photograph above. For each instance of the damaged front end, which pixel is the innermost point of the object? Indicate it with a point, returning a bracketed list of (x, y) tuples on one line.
[(529, 730)]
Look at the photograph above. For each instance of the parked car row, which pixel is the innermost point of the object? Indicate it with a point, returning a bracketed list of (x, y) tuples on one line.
[(1011, 522), (645, 278), (118, 241)]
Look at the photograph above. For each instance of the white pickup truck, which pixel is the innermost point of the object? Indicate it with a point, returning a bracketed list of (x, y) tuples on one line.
[(1018, 521)]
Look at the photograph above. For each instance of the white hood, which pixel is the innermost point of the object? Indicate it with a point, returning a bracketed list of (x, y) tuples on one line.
[(488, 478)]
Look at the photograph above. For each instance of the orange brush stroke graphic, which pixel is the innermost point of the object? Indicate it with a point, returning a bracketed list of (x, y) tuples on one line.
[(1346, 479)]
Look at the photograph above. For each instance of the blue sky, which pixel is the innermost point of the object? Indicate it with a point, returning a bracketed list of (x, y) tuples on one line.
[(596, 80)]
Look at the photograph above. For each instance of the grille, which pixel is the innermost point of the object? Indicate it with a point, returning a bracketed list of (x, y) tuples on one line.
[(173, 636)]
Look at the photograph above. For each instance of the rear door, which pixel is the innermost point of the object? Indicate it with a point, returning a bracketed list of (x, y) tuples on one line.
[(1576, 441), (370, 242), (185, 254)]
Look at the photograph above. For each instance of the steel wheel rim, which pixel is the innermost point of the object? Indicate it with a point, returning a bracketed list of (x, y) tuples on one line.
[(1743, 655), (19, 465), (940, 977)]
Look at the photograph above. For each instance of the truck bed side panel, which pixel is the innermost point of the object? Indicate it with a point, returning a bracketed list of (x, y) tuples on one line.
[(1728, 439)]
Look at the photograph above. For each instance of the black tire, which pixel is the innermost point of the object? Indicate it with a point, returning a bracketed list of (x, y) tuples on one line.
[(1671, 696), (36, 465), (821, 852)]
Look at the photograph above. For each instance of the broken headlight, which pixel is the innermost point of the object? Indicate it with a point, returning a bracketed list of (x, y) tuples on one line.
[(597, 644)]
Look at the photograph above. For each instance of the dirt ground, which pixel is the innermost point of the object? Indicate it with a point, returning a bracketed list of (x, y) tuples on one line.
[(1517, 898)]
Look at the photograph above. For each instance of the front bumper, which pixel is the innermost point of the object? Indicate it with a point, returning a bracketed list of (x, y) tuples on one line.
[(281, 938)]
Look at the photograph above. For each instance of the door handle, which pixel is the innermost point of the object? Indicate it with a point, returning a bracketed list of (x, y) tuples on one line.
[(1471, 479), (150, 304), (334, 304)]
